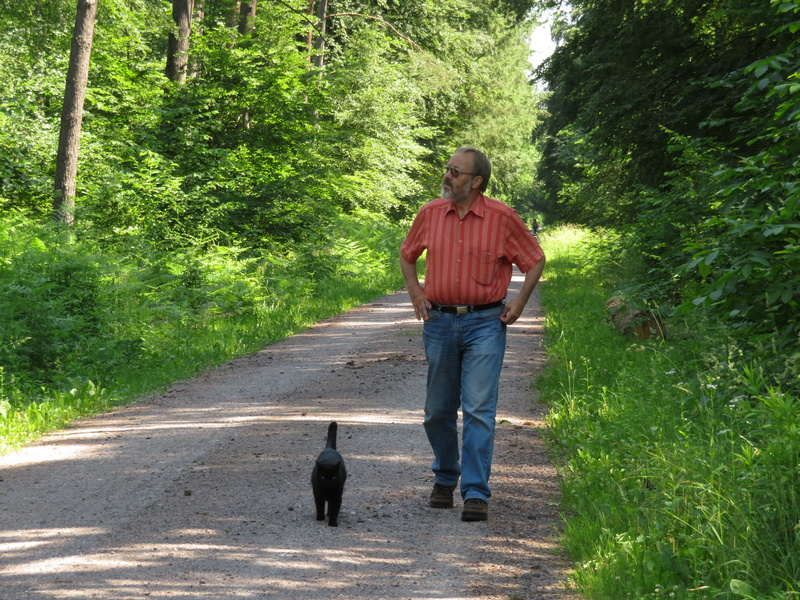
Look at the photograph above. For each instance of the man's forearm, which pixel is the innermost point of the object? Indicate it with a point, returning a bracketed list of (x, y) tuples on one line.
[(531, 279), (409, 271), (516, 305), (415, 290)]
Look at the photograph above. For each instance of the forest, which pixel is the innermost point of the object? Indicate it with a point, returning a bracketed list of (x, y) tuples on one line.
[(183, 181), (676, 125), (231, 161)]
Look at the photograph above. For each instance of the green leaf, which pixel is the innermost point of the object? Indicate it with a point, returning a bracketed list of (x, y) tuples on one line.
[(774, 230), (761, 257), (694, 263), (740, 588), (788, 7)]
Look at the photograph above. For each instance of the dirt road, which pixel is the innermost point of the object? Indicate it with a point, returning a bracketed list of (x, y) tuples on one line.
[(204, 492)]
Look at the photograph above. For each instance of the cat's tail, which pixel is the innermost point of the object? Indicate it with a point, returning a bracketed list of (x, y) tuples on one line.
[(332, 435)]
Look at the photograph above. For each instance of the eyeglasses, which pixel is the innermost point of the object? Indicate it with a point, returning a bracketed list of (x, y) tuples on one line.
[(455, 172)]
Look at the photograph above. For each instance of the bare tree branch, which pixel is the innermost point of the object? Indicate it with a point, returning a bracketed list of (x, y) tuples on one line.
[(389, 25)]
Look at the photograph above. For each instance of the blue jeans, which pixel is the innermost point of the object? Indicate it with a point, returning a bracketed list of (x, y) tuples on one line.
[(465, 357)]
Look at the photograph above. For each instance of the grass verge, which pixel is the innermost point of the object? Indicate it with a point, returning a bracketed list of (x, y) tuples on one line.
[(87, 327), (680, 464)]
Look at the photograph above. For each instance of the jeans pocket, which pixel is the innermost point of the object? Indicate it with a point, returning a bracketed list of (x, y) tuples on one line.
[(433, 315)]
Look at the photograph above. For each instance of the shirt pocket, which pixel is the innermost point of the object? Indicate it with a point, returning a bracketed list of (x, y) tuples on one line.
[(485, 264)]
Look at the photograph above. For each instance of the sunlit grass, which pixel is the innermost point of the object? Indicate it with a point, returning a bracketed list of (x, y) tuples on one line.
[(86, 328), (680, 465)]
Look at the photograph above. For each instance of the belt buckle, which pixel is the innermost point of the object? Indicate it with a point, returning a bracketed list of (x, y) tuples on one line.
[(462, 310)]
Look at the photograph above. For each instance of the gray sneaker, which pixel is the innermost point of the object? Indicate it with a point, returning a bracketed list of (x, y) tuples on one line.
[(442, 496), (475, 509)]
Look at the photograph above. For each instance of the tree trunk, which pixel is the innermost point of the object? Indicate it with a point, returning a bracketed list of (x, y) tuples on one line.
[(247, 16), (310, 35), (72, 112), (319, 44), (178, 45), (233, 17), (193, 67)]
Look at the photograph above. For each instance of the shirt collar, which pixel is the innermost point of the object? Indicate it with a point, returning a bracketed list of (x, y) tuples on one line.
[(476, 208)]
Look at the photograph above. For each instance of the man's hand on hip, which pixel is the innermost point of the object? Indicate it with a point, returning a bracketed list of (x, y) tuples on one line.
[(512, 310), (421, 305)]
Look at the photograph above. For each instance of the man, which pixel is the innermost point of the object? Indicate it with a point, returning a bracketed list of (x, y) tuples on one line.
[(471, 242)]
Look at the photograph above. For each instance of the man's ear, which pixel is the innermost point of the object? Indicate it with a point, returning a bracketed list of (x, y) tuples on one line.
[(476, 182)]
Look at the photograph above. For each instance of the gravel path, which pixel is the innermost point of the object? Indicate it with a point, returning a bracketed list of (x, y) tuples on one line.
[(203, 491)]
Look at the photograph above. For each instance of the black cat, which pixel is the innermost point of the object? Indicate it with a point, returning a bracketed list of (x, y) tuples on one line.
[(327, 480)]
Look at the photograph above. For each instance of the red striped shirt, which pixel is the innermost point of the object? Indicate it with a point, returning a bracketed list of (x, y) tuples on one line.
[(469, 260)]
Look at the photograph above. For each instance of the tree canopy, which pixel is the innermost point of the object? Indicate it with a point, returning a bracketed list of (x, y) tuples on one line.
[(253, 144), (677, 123)]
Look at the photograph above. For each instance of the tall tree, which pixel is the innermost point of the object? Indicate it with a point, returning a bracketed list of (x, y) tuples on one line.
[(628, 73), (72, 113), (247, 16), (319, 42), (178, 44), (662, 125)]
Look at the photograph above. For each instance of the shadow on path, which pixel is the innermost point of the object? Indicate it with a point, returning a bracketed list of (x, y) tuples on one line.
[(203, 491)]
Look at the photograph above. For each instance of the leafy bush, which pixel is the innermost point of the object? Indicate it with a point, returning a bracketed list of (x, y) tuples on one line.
[(699, 179), (752, 268), (86, 326)]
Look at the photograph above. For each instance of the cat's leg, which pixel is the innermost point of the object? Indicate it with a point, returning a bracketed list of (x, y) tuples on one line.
[(319, 500), (334, 506)]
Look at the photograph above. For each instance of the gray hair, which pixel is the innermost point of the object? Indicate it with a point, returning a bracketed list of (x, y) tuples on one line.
[(481, 165)]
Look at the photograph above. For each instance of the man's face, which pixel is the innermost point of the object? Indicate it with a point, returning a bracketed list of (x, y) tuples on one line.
[(458, 188)]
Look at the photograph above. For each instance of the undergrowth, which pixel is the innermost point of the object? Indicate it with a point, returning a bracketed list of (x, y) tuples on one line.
[(87, 325), (680, 460)]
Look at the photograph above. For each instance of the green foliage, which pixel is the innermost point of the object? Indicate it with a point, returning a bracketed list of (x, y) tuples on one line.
[(461, 67), (85, 327), (752, 268), (679, 458), (501, 106), (624, 75), (256, 145), (663, 127), (377, 133), (209, 212)]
